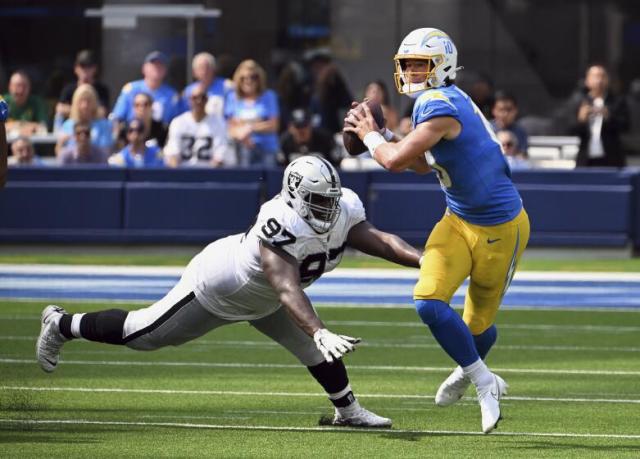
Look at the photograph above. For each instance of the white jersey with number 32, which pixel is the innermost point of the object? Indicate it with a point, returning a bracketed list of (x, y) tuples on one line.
[(228, 275)]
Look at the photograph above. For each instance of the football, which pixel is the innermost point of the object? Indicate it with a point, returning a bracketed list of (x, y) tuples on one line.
[(352, 143)]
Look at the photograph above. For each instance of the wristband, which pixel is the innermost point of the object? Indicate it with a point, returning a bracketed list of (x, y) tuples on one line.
[(387, 134), (373, 140)]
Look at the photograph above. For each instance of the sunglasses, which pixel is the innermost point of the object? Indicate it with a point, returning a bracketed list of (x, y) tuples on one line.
[(138, 130), (82, 132), (141, 104), (249, 77), (507, 144), (198, 97)]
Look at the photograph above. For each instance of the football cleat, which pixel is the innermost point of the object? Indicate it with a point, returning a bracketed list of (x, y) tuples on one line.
[(489, 399), (50, 340), (453, 388), (356, 416)]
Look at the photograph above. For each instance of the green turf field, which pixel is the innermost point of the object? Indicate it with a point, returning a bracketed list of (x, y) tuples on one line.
[(573, 375)]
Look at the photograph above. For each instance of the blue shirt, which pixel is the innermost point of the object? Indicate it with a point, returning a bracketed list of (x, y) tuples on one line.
[(150, 158), (165, 102), (101, 133), (472, 170), (264, 107), (216, 92)]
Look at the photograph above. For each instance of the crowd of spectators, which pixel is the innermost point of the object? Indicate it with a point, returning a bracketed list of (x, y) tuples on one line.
[(242, 122)]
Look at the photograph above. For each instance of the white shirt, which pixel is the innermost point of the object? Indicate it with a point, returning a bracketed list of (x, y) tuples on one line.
[(199, 143), (228, 273)]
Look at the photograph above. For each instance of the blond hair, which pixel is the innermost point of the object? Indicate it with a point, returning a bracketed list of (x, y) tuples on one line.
[(250, 66), (83, 91)]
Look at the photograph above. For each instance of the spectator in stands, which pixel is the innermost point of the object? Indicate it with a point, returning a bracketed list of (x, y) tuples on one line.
[(377, 91), (82, 151), (23, 154), (253, 114), (292, 90), (198, 139), (480, 88), (165, 98), (86, 70), (137, 153), (302, 138), (330, 95), (516, 157), (204, 72), (4, 114), (84, 109), (27, 112), (155, 132), (505, 113), (598, 117)]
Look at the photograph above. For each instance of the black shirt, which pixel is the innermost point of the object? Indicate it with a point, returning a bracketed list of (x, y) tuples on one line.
[(321, 143), (103, 93)]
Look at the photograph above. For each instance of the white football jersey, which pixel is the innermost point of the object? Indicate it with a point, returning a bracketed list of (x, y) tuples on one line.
[(228, 273), (198, 143)]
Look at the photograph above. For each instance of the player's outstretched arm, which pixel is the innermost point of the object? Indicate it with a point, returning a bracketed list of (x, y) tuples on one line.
[(370, 240), (282, 272)]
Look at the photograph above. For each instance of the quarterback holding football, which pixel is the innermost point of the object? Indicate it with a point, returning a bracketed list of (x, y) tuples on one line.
[(259, 277), (485, 228)]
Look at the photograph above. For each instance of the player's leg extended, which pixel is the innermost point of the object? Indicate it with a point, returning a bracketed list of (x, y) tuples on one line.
[(332, 377), (446, 263), (173, 320), (495, 257)]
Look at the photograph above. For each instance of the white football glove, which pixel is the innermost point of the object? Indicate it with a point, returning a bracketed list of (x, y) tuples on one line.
[(333, 346)]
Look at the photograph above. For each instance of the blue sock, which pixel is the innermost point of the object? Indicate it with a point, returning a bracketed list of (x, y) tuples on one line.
[(485, 340), (449, 330)]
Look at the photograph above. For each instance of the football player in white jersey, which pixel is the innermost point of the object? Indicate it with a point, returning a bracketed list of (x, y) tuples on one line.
[(196, 139), (259, 277)]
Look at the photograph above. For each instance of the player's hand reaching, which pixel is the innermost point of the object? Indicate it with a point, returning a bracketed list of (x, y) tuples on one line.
[(333, 346), (4, 110)]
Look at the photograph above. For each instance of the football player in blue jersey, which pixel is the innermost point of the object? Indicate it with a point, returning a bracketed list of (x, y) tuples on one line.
[(485, 228)]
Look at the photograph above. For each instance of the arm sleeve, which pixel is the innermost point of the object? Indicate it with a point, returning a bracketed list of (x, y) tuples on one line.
[(172, 147), (352, 204)]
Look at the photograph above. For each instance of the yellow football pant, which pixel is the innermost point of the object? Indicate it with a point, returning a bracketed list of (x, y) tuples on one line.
[(457, 249)]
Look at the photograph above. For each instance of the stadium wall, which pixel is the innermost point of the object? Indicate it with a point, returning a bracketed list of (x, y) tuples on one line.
[(590, 208)]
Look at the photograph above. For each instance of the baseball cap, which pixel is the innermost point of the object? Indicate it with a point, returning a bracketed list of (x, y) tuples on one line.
[(156, 56), (300, 117), (86, 58)]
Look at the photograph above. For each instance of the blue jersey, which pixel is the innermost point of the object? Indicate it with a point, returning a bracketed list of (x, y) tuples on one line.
[(472, 170), (165, 102)]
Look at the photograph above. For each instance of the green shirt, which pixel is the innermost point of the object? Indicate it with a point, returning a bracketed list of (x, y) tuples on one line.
[(33, 110)]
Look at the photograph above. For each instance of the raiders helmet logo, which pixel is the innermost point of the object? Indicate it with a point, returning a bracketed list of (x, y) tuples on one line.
[(293, 181)]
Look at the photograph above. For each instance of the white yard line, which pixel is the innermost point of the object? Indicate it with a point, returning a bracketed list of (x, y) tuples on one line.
[(312, 429), (365, 343), (301, 394), (394, 368)]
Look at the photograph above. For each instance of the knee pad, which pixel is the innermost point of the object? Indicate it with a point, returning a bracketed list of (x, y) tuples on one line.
[(433, 311)]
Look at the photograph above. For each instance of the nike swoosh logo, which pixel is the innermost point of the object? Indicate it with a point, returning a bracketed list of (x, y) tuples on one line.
[(491, 241), (52, 363)]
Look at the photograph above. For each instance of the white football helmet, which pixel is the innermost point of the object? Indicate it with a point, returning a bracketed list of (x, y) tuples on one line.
[(311, 186), (437, 49)]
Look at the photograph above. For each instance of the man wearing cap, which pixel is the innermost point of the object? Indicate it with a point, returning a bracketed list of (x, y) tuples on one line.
[(204, 72), (86, 69), (165, 98), (302, 138)]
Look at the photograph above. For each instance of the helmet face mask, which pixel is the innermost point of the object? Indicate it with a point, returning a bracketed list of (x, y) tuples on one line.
[(311, 186), (432, 47)]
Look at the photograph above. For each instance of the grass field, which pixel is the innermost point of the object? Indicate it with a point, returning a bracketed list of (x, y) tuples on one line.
[(573, 376)]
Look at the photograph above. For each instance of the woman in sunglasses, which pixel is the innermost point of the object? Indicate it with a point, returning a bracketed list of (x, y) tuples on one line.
[(253, 116), (137, 152)]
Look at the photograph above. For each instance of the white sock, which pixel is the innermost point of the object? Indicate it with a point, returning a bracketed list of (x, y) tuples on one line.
[(75, 325), (478, 373)]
